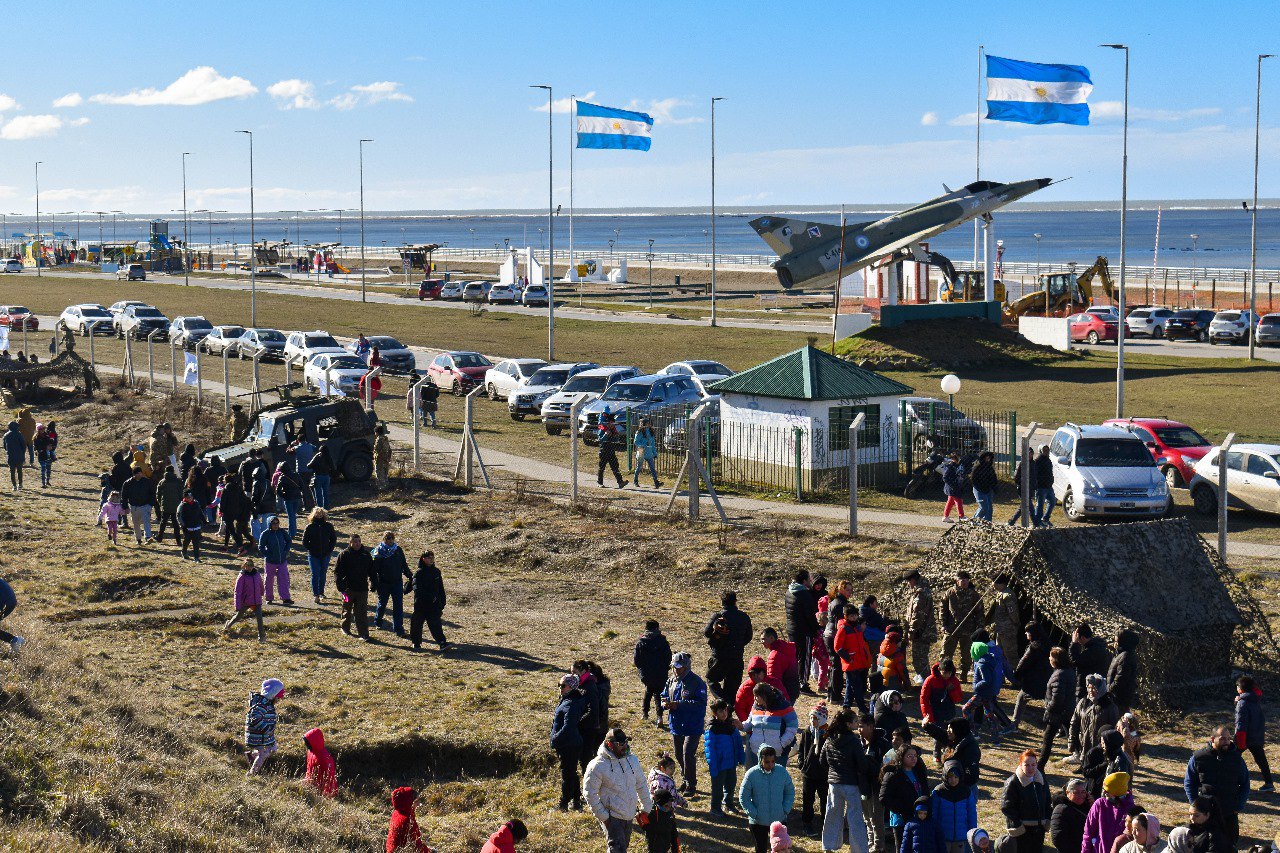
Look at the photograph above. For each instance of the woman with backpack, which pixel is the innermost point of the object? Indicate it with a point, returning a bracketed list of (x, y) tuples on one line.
[(952, 486)]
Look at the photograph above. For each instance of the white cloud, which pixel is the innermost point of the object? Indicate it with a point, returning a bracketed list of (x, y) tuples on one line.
[(78, 122), (372, 93), (71, 99), (201, 85), (31, 127), (929, 119), (663, 111), (1114, 111), (560, 106), (7, 103), (964, 120), (294, 94)]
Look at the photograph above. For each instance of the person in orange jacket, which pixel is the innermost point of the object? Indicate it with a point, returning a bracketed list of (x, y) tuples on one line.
[(893, 662), (506, 838), (403, 834), (855, 659), (322, 771)]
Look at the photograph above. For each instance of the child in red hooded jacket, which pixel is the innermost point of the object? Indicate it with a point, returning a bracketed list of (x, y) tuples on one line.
[(322, 772), (506, 838), (403, 834)]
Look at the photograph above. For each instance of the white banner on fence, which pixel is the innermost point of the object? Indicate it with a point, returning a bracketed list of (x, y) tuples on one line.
[(4, 338), (189, 375)]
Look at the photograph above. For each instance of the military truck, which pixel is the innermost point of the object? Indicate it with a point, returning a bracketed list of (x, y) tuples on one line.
[(339, 423)]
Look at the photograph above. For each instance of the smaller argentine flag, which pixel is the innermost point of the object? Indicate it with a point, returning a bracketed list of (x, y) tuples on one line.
[(191, 373), (1036, 92), (606, 127)]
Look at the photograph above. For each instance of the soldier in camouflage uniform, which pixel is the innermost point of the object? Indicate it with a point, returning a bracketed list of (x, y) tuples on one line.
[(237, 423), (962, 614), (382, 454), (922, 624), (1003, 617)]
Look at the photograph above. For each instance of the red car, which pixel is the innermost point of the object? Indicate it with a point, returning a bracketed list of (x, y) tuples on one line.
[(1176, 447), (18, 318), (1093, 328), (429, 288), (458, 371)]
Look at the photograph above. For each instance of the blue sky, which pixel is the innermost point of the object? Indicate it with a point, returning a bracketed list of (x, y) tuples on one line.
[(824, 102)]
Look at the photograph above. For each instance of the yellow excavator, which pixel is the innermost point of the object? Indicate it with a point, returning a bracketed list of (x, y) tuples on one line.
[(1062, 291)]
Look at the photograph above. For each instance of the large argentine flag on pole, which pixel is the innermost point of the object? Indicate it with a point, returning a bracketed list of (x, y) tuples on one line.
[(1036, 92), (606, 127)]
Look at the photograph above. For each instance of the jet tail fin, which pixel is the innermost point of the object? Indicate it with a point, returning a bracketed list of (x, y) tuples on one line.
[(787, 236)]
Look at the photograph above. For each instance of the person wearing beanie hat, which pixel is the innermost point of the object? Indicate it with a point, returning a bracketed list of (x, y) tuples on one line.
[(813, 771), (1180, 840), (506, 838), (566, 739), (779, 838), (1146, 835), (190, 525), (614, 785), (260, 724), (273, 545), (922, 834), (1105, 822)]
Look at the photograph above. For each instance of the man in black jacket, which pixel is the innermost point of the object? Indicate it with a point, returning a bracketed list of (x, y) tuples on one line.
[(1220, 767), (802, 621), (1044, 494), (728, 633), (1089, 656), (353, 575), (874, 747), (428, 602), (138, 493), (652, 657), (1122, 675)]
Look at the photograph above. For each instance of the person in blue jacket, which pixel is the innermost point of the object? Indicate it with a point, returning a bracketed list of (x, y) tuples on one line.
[(566, 740), (685, 700), (767, 794), (922, 833), (723, 747), (273, 545), (8, 604), (953, 806), (646, 445)]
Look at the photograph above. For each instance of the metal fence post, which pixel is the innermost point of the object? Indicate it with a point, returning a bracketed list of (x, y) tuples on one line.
[(328, 381), (694, 430), (288, 371), (853, 472), (416, 391), (93, 329), (173, 368), (1013, 440), (226, 382), (151, 373), (1223, 494), (257, 382), (199, 382), (468, 407), (573, 450), (798, 433)]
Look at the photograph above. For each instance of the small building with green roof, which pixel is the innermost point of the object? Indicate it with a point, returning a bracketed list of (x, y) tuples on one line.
[(792, 414)]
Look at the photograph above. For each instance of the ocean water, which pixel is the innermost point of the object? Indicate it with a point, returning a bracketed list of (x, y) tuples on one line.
[(1076, 234)]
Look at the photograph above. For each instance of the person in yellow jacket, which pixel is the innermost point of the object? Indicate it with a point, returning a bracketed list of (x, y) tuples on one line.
[(27, 429)]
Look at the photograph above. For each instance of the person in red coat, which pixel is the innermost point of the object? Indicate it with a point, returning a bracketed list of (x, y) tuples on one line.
[(782, 662), (757, 671), (505, 839), (855, 659), (322, 772), (403, 834)]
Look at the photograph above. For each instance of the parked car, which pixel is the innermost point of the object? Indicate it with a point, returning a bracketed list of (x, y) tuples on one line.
[(117, 308), (451, 290), (951, 428), (429, 288), (458, 371), (705, 372), (1253, 479), (509, 374), (188, 332), (1148, 321), (545, 381), (80, 317), (1093, 328), (1232, 327), (300, 346), (503, 293), (582, 388), (1105, 471), (343, 373), (17, 318), (535, 294), (222, 338), (476, 291), (1105, 311), (11, 265), (264, 343), (139, 321), (1176, 447), (131, 272), (634, 397), (1268, 331), (1189, 323), (395, 356)]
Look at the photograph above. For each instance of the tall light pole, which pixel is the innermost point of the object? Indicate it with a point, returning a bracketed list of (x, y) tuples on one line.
[(186, 225), (1124, 217), (39, 245), (1253, 237), (551, 242), (253, 242), (362, 273), (713, 210), (1195, 241), (650, 273), (1037, 236)]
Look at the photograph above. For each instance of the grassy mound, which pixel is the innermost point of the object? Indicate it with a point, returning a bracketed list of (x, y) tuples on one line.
[(949, 344)]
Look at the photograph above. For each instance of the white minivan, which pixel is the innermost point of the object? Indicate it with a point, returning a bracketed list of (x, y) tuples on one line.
[(1106, 471)]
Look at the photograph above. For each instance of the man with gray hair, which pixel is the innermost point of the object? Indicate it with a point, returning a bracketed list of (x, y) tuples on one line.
[(1070, 809)]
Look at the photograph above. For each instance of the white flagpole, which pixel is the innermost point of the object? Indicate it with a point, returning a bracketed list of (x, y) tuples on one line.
[(573, 134), (977, 175), (1155, 261)]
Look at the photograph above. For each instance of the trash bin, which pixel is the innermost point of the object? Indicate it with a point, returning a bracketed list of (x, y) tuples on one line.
[(677, 281)]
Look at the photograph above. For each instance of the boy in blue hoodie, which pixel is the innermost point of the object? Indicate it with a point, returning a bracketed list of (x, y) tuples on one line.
[(988, 678), (1251, 727), (922, 834), (954, 807), (723, 748)]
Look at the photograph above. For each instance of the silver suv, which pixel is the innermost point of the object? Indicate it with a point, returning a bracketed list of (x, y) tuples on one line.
[(1106, 471), (585, 387), (634, 397)]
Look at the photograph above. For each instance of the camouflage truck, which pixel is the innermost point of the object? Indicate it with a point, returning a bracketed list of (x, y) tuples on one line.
[(338, 423)]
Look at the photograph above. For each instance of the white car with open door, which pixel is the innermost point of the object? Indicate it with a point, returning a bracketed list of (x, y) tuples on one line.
[(509, 374)]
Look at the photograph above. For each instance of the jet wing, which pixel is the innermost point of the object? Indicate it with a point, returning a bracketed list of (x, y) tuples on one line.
[(790, 236)]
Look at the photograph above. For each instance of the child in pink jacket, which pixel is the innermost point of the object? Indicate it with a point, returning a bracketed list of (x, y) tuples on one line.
[(248, 597), (112, 511)]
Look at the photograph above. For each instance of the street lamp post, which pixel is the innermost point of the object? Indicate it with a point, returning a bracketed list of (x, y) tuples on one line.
[(1037, 280), (186, 225), (253, 242), (651, 274), (39, 242), (551, 242), (713, 210), (1124, 217), (1253, 237), (362, 271)]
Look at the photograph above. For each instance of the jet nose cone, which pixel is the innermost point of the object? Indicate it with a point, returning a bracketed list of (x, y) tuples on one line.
[(1043, 182)]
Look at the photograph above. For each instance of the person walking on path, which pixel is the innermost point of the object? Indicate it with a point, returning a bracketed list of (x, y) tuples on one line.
[(1251, 727), (1044, 495), (168, 498), (1031, 494), (952, 486), (44, 446), (685, 700), (273, 545), (646, 453), (1024, 801), (767, 795), (27, 428), (247, 597), (382, 455), (191, 525), (390, 566), (138, 494), (428, 602), (616, 789), (1220, 766), (610, 437), (652, 659), (319, 539), (962, 614), (922, 623), (567, 740), (728, 633), (321, 476), (8, 604), (322, 770), (15, 450), (260, 724), (846, 761), (354, 576), (985, 480), (801, 607)]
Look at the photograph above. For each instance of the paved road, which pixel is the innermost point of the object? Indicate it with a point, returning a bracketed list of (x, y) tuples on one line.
[(1186, 349)]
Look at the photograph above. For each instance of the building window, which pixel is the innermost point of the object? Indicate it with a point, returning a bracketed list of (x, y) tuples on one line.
[(839, 418)]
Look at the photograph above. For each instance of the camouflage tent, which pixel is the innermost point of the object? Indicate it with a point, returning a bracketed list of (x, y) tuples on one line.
[(24, 377), (1157, 578)]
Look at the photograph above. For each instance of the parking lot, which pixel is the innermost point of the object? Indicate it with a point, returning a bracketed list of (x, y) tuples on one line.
[(1185, 349)]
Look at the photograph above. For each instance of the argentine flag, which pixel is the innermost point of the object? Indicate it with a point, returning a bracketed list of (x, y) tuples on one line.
[(1036, 92), (606, 127)]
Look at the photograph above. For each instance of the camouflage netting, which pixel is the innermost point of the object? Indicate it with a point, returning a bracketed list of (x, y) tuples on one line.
[(1195, 618), (66, 365)]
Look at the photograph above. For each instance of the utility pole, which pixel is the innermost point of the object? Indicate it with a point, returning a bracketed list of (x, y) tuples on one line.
[(253, 242)]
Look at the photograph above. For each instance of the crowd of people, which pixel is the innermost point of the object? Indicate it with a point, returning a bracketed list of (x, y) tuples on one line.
[(975, 475)]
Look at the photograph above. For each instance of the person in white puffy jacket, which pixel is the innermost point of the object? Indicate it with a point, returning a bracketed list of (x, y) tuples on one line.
[(616, 789), (772, 722)]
